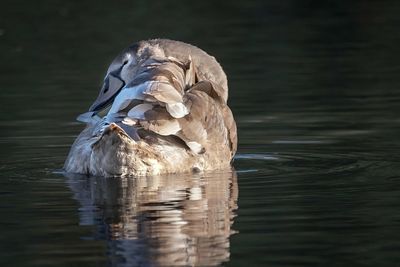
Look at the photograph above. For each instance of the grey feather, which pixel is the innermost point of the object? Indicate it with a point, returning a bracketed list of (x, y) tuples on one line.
[(183, 93)]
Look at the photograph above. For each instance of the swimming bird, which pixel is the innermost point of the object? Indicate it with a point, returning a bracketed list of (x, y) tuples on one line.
[(162, 109)]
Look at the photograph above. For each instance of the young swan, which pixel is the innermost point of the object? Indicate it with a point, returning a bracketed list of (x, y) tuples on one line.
[(168, 114)]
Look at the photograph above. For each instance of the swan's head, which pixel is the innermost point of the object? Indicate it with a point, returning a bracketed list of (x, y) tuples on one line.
[(133, 61), (119, 74)]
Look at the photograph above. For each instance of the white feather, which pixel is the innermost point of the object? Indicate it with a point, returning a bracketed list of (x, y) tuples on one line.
[(137, 112), (194, 146), (164, 92), (172, 127), (128, 121), (177, 110), (128, 94)]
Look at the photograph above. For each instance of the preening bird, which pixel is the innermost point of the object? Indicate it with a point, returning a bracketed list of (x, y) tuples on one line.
[(162, 109)]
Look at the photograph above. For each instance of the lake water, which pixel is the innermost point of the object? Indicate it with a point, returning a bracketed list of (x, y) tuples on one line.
[(315, 89)]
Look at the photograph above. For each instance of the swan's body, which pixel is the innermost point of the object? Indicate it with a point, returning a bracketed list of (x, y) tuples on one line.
[(169, 114)]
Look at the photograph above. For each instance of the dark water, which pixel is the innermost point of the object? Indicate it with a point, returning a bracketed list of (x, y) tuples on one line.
[(315, 91)]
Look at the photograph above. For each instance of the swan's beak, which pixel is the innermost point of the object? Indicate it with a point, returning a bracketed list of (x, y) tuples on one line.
[(113, 84)]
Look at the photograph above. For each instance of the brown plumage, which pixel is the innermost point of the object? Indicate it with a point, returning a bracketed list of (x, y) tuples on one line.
[(168, 114)]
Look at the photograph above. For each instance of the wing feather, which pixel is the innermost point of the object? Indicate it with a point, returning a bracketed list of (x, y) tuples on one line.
[(165, 97)]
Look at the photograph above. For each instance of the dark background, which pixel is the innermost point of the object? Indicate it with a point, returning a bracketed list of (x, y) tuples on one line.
[(332, 48)]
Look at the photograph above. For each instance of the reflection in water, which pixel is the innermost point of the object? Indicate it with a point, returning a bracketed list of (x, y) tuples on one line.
[(162, 220)]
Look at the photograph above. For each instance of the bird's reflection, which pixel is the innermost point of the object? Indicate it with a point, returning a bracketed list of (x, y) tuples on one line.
[(174, 220)]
